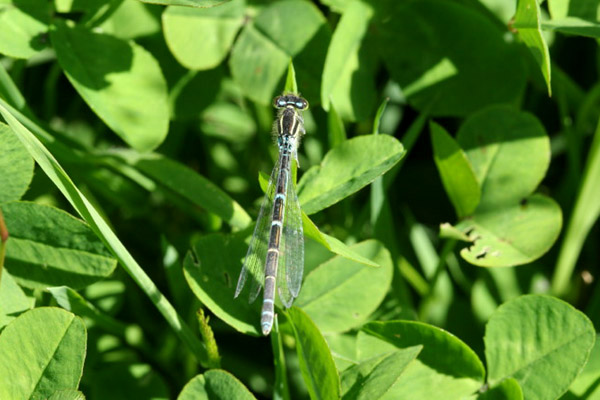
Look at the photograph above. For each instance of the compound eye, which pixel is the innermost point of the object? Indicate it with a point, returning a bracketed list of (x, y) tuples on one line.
[(301, 104), (279, 102)]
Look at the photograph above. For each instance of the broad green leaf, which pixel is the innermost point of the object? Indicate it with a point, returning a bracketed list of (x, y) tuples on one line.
[(215, 384), (528, 23), (193, 187), (512, 235), (134, 381), (455, 170), (24, 26), (200, 38), (281, 31), (188, 3), (346, 169), (316, 364), (540, 341), (343, 349), (445, 368), (350, 65), (49, 247), (586, 384), (12, 298), (508, 389), (67, 394), (16, 165), (63, 182), (340, 294), (41, 351), (504, 10), (413, 40), (212, 273), (132, 19), (509, 152), (373, 378), (121, 82)]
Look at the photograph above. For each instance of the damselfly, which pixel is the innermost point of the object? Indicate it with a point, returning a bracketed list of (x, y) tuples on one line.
[(275, 257)]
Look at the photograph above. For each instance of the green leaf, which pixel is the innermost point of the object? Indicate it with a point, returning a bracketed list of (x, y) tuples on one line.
[(41, 351), (68, 394), (212, 273), (215, 384), (508, 389), (350, 65), (455, 170), (291, 86), (16, 165), (188, 3), (346, 169), (281, 388), (339, 294), (72, 301), (586, 384), (527, 22), (468, 74), (200, 38), (121, 82), (132, 19), (512, 235), (63, 182), (335, 127), (445, 360), (281, 31), (373, 378), (509, 152), (12, 298), (192, 186), (49, 247), (540, 341), (316, 364), (24, 24), (332, 244), (574, 26)]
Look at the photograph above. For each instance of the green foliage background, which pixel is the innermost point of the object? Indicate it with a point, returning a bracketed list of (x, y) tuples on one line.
[(449, 182)]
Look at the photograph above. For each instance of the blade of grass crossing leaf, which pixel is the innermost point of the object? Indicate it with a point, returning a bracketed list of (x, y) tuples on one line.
[(281, 390), (316, 363), (64, 183), (527, 21), (9, 90), (290, 81), (585, 213)]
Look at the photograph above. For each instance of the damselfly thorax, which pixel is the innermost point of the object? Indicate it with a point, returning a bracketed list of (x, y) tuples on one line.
[(275, 257)]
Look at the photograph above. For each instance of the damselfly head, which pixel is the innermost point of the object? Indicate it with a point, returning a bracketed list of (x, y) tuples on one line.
[(290, 100)]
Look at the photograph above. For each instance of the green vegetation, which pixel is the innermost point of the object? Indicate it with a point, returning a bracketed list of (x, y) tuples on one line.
[(449, 182)]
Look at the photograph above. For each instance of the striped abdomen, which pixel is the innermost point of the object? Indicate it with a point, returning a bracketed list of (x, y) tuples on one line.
[(266, 320)]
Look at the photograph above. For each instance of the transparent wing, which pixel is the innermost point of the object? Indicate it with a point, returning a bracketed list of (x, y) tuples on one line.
[(254, 263), (291, 266)]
